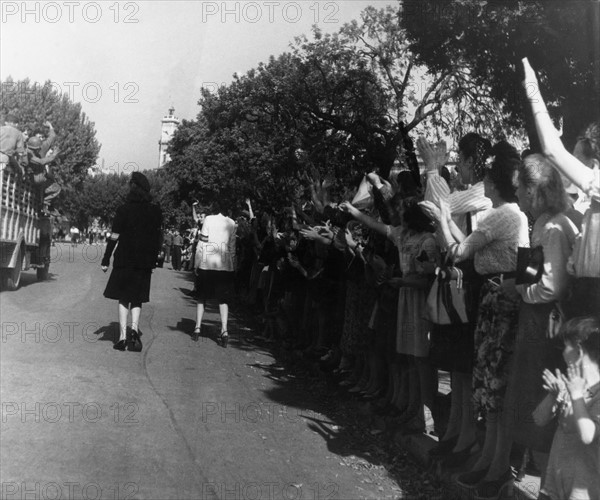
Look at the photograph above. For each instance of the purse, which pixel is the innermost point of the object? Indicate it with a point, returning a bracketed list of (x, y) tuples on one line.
[(448, 300), (530, 265)]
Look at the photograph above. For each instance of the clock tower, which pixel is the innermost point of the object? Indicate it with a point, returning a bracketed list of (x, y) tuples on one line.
[(169, 125)]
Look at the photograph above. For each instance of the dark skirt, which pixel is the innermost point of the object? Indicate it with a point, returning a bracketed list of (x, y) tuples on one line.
[(129, 285), (214, 285), (452, 347), (533, 353)]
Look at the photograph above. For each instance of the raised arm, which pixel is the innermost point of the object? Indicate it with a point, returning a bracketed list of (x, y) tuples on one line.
[(459, 247), (552, 146), (195, 213), (367, 221), (47, 144), (249, 204)]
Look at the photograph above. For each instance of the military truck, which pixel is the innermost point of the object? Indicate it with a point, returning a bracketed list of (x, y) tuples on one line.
[(25, 233)]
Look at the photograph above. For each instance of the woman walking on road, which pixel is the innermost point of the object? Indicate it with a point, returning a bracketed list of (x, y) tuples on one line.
[(137, 230)]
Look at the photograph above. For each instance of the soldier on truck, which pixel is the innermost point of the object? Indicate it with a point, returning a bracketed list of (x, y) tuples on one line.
[(12, 144)]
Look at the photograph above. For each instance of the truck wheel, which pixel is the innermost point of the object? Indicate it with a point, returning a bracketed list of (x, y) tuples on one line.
[(42, 272), (13, 276)]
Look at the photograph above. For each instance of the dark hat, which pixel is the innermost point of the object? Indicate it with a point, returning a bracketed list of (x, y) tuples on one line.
[(141, 181)]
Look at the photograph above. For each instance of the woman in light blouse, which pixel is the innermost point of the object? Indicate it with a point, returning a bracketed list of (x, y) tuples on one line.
[(583, 169), (494, 247)]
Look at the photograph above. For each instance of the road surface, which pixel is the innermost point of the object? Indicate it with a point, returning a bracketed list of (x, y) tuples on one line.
[(179, 420)]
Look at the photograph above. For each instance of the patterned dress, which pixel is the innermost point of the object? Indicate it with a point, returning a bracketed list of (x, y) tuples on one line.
[(494, 246)]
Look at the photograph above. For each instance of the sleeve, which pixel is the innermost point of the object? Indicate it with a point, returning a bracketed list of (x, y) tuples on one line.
[(555, 278), (205, 230), (110, 247), (470, 200), (233, 245), (20, 145), (460, 202), (119, 222), (47, 144), (470, 246), (381, 198), (437, 188), (501, 223), (233, 238), (159, 232)]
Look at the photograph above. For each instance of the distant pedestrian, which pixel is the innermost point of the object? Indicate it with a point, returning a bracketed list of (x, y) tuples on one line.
[(137, 230), (167, 245), (176, 250), (74, 236), (215, 261)]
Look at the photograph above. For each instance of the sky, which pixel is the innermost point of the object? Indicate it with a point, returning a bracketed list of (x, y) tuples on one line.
[(128, 62)]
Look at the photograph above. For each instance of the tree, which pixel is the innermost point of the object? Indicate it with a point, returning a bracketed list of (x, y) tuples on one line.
[(35, 104), (336, 106), (561, 40)]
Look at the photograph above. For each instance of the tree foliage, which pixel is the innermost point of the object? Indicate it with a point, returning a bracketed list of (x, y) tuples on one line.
[(335, 106), (560, 38), (35, 104)]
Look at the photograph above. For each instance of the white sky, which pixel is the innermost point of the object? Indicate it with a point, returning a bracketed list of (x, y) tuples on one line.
[(127, 74)]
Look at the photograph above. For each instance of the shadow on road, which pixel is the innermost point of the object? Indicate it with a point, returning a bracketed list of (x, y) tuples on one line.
[(314, 396), (109, 332)]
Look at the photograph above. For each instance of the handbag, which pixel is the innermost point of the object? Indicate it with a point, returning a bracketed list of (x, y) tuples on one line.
[(448, 299), (530, 265)]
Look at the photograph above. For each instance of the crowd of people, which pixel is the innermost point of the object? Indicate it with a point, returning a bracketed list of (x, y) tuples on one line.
[(30, 154), (348, 284)]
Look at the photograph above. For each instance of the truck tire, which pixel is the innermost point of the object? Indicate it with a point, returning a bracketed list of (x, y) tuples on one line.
[(13, 276)]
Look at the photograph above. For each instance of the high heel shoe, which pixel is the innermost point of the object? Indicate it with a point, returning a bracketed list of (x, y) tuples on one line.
[(120, 345), (224, 338), (196, 334), (135, 344), (496, 489)]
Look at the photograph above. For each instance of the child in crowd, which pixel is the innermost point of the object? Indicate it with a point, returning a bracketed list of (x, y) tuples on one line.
[(573, 470)]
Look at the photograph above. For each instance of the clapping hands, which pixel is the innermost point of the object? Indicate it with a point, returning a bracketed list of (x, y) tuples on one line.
[(574, 381), (553, 383), (434, 155)]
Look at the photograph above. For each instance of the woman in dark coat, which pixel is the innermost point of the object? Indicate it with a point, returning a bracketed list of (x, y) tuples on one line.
[(137, 229)]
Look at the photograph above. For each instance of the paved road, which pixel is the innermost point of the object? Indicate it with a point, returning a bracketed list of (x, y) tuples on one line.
[(179, 420)]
